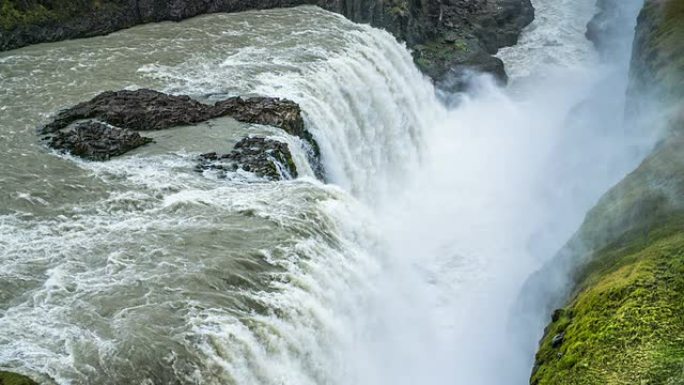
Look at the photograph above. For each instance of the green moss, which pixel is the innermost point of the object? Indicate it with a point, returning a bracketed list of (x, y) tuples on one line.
[(11, 16), (7, 378), (624, 323), (437, 55), (642, 203), (399, 8), (14, 13), (624, 328), (661, 46)]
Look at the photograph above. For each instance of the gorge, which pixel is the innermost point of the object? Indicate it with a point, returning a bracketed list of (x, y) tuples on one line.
[(278, 193)]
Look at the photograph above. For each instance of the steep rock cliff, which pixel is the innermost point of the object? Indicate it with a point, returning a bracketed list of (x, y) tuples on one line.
[(621, 321)]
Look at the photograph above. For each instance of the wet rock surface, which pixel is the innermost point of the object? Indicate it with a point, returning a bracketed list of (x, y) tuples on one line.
[(135, 110), (106, 126), (146, 109), (462, 35), (266, 158), (281, 113), (96, 141)]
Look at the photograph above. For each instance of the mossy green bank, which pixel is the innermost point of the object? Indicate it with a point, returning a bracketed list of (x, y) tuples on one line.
[(624, 322), (7, 378)]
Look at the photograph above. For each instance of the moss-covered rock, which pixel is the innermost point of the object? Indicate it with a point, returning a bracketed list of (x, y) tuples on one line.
[(626, 326), (657, 66), (450, 58), (624, 321), (7, 378)]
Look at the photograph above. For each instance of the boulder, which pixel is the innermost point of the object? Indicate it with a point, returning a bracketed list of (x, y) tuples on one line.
[(266, 158), (282, 113), (96, 141), (146, 109), (112, 117), (141, 109)]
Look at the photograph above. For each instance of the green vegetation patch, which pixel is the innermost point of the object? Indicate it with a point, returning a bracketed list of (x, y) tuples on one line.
[(399, 8), (663, 48), (641, 204), (7, 378), (625, 321), (436, 56), (625, 328), (18, 13), (11, 16)]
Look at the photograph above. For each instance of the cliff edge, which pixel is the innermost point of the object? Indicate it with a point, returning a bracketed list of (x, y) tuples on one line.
[(622, 322)]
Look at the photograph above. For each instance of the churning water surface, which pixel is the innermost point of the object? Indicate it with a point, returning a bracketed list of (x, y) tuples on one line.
[(401, 270)]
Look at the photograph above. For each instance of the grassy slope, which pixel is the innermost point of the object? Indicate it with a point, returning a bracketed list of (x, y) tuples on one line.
[(625, 321), (7, 378)]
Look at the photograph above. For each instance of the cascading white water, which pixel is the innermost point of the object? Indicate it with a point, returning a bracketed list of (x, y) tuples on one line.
[(400, 272), (363, 98)]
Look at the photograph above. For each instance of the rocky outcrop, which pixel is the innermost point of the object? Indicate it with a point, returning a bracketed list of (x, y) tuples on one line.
[(136, 110), (466, 34), (275, 112), (620, 321), (8, 378), (266, 158), (146, 109), (104, 127), (96, 141), (446, 37)]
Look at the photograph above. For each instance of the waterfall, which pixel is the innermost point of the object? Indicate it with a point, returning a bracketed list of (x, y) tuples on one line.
[(402, 270)]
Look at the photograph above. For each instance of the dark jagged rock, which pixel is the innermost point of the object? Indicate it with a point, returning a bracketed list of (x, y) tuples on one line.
[(449, 38), (144, 110), (96, 141), (461, 70), (135, 110), (557, 340), (267, 158), (281, 113), (443, 26)]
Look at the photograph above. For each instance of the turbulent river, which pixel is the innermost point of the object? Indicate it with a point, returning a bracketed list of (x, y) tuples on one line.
[(403, 269)]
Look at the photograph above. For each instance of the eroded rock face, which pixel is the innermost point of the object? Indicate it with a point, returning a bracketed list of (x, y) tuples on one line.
[(96, 141), (467, 32), (266, 158), (461, 70)]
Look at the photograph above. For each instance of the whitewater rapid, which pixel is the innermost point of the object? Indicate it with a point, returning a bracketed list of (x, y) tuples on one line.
[(402, 270)]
